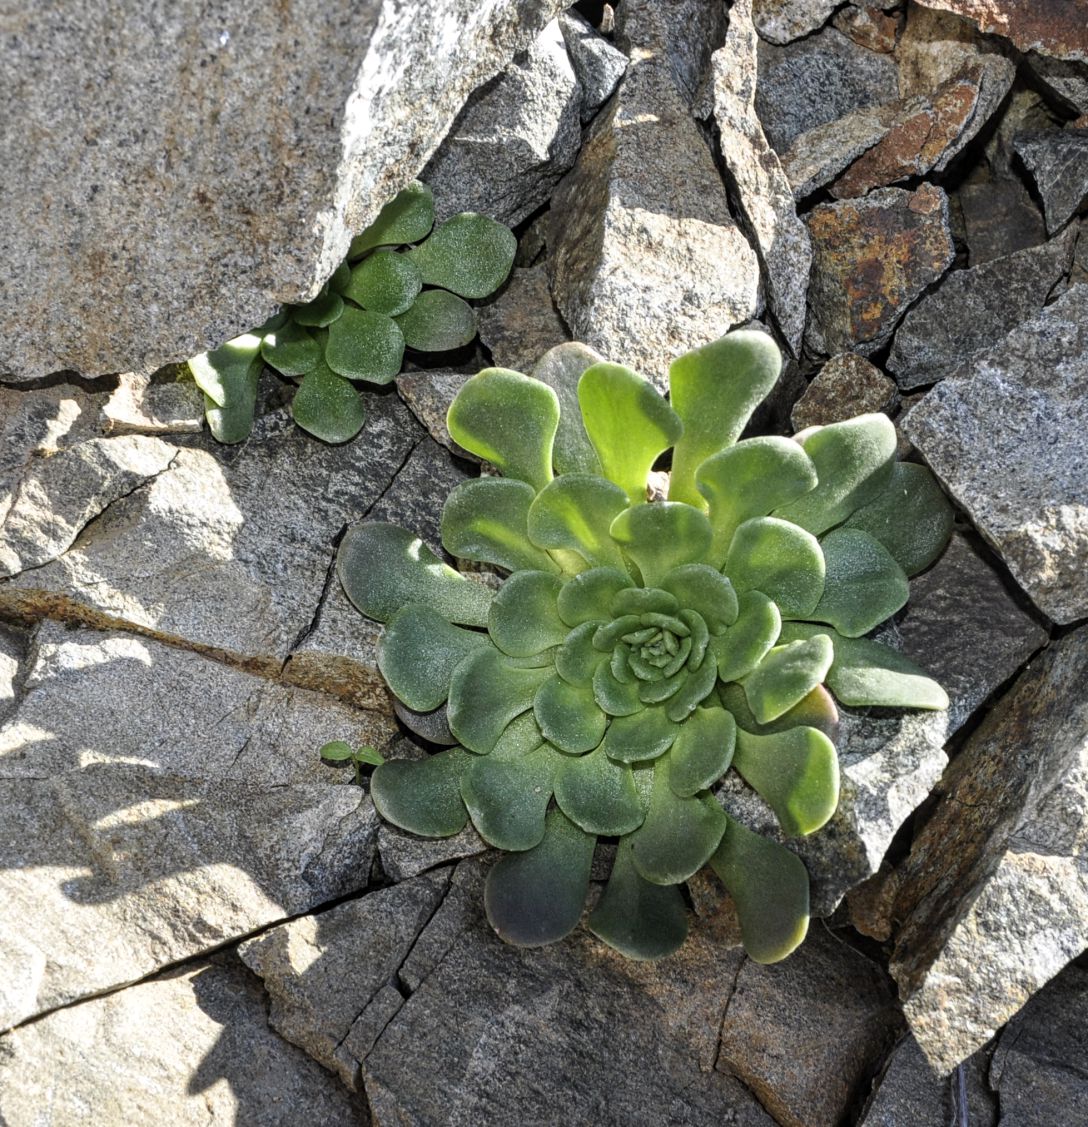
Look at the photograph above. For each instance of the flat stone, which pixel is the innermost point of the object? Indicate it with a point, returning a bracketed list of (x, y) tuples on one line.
[(403, 855), (818, 80), (514, 139), (974, 308), (429, 394), (1058, 163), (1004, 417), (13, 648), (761, 187), (804, 1033), (780, 21), (869, 26), (933, 47), (190, 1048), (208, 187), (144, 782), (1065, 82), (871, 259), (159, 403), (521, 324), (597, 64), (1051, 27), (994, 893), (1000, 218), (847, 385)]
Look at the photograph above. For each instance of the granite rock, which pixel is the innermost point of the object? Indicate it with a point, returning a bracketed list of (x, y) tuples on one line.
[(429, 394), (158, 403), (999, 218), (13, 650), (780, 21), (1051, 27), (1058, 163), (847, 385), (597, 65), (869, 26), (933, 47), (1065, 82), (521, 324)]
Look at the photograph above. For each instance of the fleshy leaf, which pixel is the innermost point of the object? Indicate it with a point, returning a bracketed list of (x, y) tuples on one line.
[(485, 519), (695, 689), (598, 794), (383, 567), (628, 423), (661, 537), (795, 772), (327, 406), (365, 346), (854, 461), (423, 796), (642, 735), (385, 282), (700, 588), (781, 560), (769, 886), (864, 584), (523, 619), (291, 349), (817, 710), (639, 919), (487, 691), (419, 651), (702, 751), (437, 321), (568, 716), (911, 517), (588, 597), (714, 390), (577, 660), (509, 420), (507, 799), (518, 738), (617, 698), (786, 676), (322, 311), (228, 377), (407, 218), (575, 511), (742, 646), (536, 897), (561, 368), (469, 255), (340, 277)]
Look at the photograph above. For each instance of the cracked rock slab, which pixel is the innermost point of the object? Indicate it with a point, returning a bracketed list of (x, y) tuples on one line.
[(597, 64), (521, 324), (780, 21), (1051, 27), (428, 395), (1058, 163), (161, 403)]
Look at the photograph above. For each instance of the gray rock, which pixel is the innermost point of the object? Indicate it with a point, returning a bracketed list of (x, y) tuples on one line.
[(780, 21), (847, 385), (994, 895), (403, 855), (429, 395), (1004, 417), (514, 140), (761, 187), (973, 309), (521, 324), (934, 46), (999, 217), (803, 1034), (145, 783), (13, 648), (157, 403), (1058, 163), (1052, 27), (868, 25), (190, 1048), (431, 727), (137, 223), (1066, 82), (818, 80), (597, 64)]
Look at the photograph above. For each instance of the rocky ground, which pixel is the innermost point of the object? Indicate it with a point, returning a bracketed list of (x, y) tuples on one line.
[(202, 921)]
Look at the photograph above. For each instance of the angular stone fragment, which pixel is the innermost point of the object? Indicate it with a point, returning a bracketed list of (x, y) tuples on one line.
[(994, 894), (521, 324), (1000, 218), (868, 25), (597, 64), (780, 21), (429, 395), (847, 385), (403, 855), (974, 308), (1066, 82), (1058, 163), (13, 647), (1051, 27), (1004, 417), (145, 404), (210, 186), (933, 47), (871, 259)]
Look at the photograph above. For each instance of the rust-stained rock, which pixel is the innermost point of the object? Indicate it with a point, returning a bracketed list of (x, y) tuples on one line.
[(871, 259), (817, 156), (1051, 27), (933, 47), (847, 385), (868, 25)]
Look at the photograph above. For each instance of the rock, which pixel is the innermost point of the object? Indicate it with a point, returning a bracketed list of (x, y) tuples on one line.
[(597, 64), (159, 242), (514, 140), (933, 47), (1051, 27), (847, 385), (869, 26), (521, 324), (154, 403), (645, 260), (326, 986), (404, 855), (818, 80), (760, 185), (804, 1033), (144, 782), (191, 1047), (13, 647), (1065, 82), (229, 548), (429, 395), (1000, 218), (1058, 163), (994, 893), (1038, 1069), (1004, 417), (974, 308), (780, 21), (871, 259)]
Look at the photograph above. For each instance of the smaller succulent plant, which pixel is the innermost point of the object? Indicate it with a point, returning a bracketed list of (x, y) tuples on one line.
[(640, 649), (403, 285)]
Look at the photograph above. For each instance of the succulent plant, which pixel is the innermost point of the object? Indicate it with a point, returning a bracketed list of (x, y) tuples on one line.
[(639, 649), (386, 296)]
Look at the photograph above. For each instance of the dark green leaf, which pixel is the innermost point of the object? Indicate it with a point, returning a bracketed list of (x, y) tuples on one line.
[(864, 584), (588, 597), (702, 751), (598, 794), (523, 619), (786, 676), (779, 559), (700, 588), (661, 537), (328, 407), (322, 311), (617, 698), (817, 710), (291, 349), (437, 321), (576, 660), (642, 735), (485, 519), (507, 798), (405, 219), (228, 377), (423, 796), (742, 646), (365, 346), (568, 716), (486, 692), (469, 255), (385, 282)]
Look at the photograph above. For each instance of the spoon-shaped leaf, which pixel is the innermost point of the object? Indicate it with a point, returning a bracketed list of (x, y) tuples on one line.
[(291, 349), (423, 796), (322, 311), (561, 368), (485, 519), (864, 584), (817, 710), (507, 799), (697, 686), (437, 321), (588, 596), (787, 675), (523, 620), (575, 511), (577, 659), (469, 255), (536, 897), (407, 218), (327, 406), (598, 794), (700, 588), (642, 735), (486, 692), (365, 346), (228, 377), (616, 697), (385, 282), (702, 751), (569, 716), (661, 537), (742, 646), (779, 559)]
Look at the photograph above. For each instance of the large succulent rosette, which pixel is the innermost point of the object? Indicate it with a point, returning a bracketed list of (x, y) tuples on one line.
[(640, 649)]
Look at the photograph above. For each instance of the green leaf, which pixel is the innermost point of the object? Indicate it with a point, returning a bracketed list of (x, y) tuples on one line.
[(911, 517), (383, 567), (576, 660), (485, 519), (644, 600), (795, 772), (696, 688), (710, 594), (370, 756), (661, 537), (628, 423), (328, 407), (568, 716), (418, 652), (469, 255), (487, 691), (598, 794), (337, 751), (642, 735), (423, 796), (523, 620), (617, 698), (787, 675), (864, 584), (742, 646), (779, 559), (518, 738), (702, 751), (365, 346), (386, 282), (507, 799), (228, 377), (714, 390), (322, 311), (437, 322), (561, 368), (639, 919), (817, 710), (291, 350), (509, 420), (588, 596), (407, 218), (340, 277), (769, 886), (854, 461), (751, 479), (575, 511), (536, 897)]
